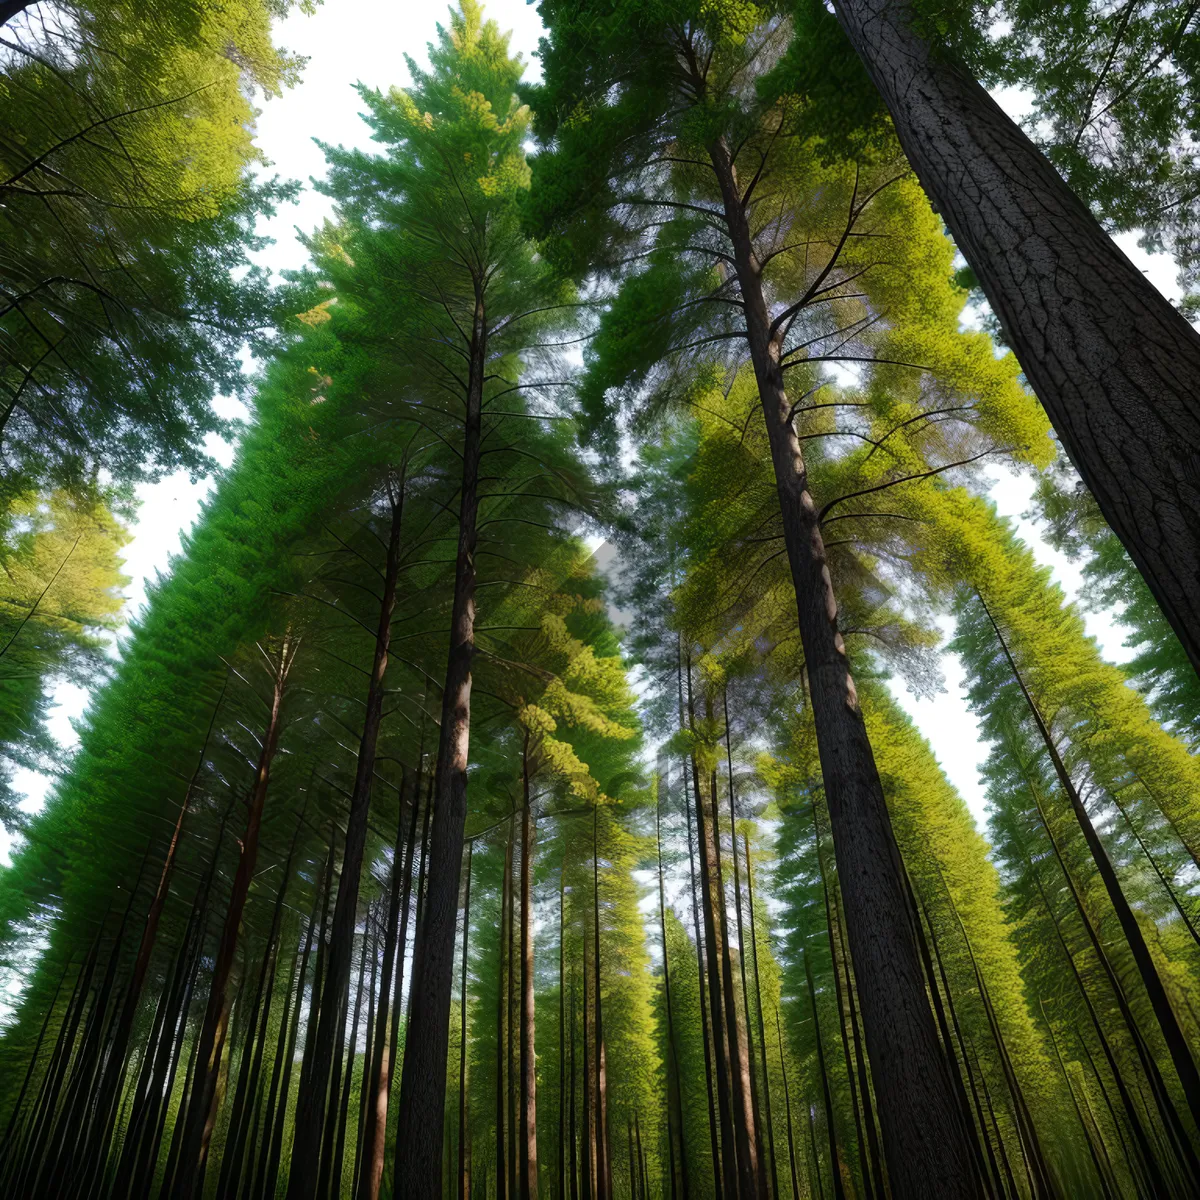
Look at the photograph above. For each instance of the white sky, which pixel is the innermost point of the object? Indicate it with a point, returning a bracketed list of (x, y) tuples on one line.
[(350, 41)]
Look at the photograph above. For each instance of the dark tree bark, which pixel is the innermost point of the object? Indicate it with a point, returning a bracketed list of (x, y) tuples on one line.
[(310, 1106), (571, 1133), (373, 1141), (202, 1105), (589, 1121), (603, 1148), (560, 1193), (1113, 363), (528, 1187), (1177, 1046), (762, 1028), (423, 1078), (924, 1140)]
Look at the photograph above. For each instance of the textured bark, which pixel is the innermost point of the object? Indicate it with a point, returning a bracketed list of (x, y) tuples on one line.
[(762, 1028), (924, 1140), (337, 1165), (310, 1106), (423, 1079), (1113, 363), (364, 1091)]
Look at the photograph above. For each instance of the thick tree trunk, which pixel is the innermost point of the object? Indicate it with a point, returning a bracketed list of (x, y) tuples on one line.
[(1113, 363), (373, 1141), (423, 1079), (529, 1161), (310, 1107), (923, 1136), (202, 1105), (1177, 1046)]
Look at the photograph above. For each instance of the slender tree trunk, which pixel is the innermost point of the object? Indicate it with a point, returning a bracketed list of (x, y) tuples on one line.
[(787, 1106), (923, 1135), (744, 1121), (267, 1184), (574, 1143), (464, 1155), (1138, 1130), (674, 1099), (1112, 361), (589, 1123), (310, 1106), (839, 1190), (762, 1029), (423, 1080), (860, 1065), (603, 1149), (512, 1038), (529, 1161), (561, 1191), (338, 1166), (840, 997), (713, 948), (715, 1147), (364, 1089), (373, 1140), (202, 1105), (501, 1016), (1177, 1046)]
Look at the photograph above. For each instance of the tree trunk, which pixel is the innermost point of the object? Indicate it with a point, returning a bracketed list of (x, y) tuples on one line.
[(501, 1017), (560, 1193), (787, 1106), (364, 1090), (1177, 1046), (603, 1150), (839, 1190), (713, 955), (423, 1079), (924, 1140), (464, 1153), (589, 1121), (529, 1159), (266, 1186), (374, 1135), (762, 1027), (202, 1105), (310, 1106), (841, 1007), (573, 1166), (1113, 363), (674, 1098), (337, 1167)]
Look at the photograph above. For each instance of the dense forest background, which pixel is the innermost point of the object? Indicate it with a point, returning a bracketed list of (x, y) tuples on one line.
[(505, 791)]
